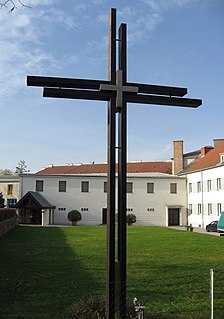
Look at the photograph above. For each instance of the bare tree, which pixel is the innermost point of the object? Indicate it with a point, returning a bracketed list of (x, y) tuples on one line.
[(13, 4), (6, 171)]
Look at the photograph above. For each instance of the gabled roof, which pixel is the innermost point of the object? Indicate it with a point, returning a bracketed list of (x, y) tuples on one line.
[(40, 200), (137, 167), (210, 160)]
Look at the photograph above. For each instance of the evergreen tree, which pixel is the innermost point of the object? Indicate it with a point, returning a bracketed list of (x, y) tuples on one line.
[(2, 201), (21, 167)]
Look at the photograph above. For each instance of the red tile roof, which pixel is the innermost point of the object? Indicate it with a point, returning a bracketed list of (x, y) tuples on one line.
[(211, 159), (137, 167)]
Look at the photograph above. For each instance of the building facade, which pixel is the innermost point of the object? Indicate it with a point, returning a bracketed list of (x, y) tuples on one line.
[(156, 198), (204, 173), (10, 189)]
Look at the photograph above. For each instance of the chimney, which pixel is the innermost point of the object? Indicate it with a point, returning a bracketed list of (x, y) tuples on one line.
[(178, 157), (218, 142), (205, 150)]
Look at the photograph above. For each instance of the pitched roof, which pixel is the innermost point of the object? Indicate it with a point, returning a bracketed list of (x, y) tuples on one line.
[(137, 167), (40, 200), (211, 159)]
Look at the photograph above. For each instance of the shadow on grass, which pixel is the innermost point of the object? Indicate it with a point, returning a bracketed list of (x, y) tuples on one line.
[(43, 271)]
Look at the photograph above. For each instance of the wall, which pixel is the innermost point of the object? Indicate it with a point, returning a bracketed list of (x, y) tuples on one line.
[(205, 197), (150, 209), (10, 180), (7, 224)]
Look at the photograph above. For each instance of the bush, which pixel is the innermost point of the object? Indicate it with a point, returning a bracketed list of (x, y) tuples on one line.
[(131, 218), (90, 308), (74, 215), (94, 308), (7, 213)]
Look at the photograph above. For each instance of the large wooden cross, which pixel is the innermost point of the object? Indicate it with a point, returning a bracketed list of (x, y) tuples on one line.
[(118, 92)]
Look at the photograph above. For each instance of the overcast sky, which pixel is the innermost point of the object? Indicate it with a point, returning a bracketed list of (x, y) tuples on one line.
[(170, 42)]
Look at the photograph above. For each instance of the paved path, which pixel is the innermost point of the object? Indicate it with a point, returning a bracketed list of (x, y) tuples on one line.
[(196, 230)]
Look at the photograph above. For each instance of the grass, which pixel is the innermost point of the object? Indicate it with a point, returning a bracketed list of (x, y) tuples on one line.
[(43, 271)]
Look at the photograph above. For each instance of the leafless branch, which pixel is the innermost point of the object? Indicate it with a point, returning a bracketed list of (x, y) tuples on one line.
[(13, 3)]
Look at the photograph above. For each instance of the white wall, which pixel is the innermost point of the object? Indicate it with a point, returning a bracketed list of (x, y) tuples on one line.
[(150, 209), (205, 197)]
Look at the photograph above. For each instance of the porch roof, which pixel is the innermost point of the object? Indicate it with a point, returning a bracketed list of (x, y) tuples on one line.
[(40, 200)]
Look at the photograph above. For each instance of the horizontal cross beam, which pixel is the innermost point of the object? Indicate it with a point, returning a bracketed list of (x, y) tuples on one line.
[(78, 94), (128, 96), (45, 81)]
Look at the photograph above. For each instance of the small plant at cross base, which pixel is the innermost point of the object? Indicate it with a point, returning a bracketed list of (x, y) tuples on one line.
[(94, 308), (130, 219), (74, 216)]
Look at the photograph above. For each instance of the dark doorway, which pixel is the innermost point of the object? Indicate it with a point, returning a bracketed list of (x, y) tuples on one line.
[(30, 216), (104, 216), (173, 217)]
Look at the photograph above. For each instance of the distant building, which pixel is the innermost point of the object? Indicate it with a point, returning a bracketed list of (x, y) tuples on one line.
[(204, 171), (192, 194), (153, 195), (10, 188)]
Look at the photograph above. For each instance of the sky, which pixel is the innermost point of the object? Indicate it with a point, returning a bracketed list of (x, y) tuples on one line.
[(170, 42)]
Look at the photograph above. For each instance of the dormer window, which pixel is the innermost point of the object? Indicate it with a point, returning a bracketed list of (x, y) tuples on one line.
[(222, 157)]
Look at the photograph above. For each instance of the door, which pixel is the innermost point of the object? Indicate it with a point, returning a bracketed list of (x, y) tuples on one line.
[(104, 216), (173, 217)]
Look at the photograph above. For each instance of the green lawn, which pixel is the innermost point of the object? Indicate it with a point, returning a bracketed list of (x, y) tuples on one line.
[(44, 270)]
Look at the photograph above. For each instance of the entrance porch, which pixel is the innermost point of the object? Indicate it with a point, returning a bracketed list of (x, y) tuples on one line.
[(34, 209)]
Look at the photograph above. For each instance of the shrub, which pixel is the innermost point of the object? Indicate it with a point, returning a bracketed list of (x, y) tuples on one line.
[(94, 308), (131, 218), (90, 308), (74, 215)]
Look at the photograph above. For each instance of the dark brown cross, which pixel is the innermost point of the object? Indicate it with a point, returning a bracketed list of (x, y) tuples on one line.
[(118, 92)]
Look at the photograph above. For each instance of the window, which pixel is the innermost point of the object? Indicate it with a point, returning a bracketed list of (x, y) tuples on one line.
[(209, 209), (190, 187), (129, 187), (10, 188), (173, 188), (85, 187), (219, 186), (84, 209), (199, 187), (150, 188), (190, 210), (62, 186), (209, 185), (105, 187), (39, 186), (11, 202), (219, 209), (199, 209), (62, 208)]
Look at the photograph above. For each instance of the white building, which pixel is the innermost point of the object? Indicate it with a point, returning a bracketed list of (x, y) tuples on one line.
[(155, 197), (204, 171), (10, 189)]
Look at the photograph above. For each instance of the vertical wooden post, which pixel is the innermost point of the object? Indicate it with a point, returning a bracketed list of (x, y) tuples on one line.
[(212, 292)]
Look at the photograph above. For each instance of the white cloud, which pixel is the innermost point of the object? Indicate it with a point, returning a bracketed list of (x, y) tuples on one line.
[(22, 44)]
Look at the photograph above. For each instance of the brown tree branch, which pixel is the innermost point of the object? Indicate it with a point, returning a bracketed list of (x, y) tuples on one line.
[(14, 6)]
